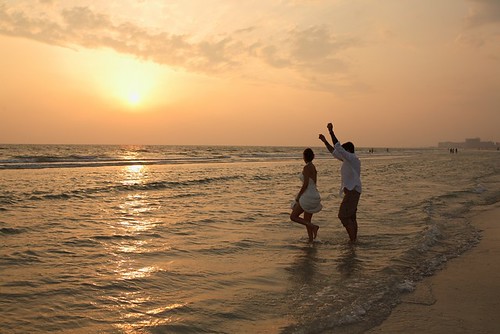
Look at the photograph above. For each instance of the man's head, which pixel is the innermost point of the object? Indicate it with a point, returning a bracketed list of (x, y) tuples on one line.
[(349, 147)]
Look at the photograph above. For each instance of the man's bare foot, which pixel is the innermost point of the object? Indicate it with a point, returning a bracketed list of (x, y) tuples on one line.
[(315, 231)]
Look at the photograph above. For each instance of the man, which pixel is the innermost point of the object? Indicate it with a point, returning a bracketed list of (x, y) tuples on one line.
[(350, 184)]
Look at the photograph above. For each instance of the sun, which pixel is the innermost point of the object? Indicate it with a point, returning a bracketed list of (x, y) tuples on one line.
[(129, 83), (133, 95), (134, 98)]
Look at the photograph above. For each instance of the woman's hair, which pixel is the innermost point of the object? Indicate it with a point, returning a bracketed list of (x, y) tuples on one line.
[(308, 155)]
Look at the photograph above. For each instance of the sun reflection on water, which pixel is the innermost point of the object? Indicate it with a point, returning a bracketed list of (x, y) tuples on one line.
[(131, 273), (136, 317), (135, 247), (135, 169), (138, 301), (167, 308), (135, 217), (135, 204), (135, 174)]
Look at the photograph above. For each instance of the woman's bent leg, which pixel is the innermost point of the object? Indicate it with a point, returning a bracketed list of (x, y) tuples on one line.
[(295, 216)]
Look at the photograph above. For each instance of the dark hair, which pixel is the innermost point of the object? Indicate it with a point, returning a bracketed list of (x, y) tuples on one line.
[(308, 155), (349, 147)]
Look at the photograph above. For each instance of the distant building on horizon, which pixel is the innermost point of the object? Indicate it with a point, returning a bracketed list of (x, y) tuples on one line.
[(470, 143)]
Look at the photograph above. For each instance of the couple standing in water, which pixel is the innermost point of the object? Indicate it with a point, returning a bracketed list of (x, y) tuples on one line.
[(308, 200)]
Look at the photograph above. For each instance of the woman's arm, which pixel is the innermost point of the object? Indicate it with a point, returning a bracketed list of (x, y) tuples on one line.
[(307, 175)]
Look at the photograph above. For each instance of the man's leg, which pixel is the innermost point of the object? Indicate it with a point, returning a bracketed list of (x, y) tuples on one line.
[(352, 230), (355, 223), (347, 213)]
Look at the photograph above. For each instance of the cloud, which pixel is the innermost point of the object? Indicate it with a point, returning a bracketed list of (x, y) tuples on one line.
[(482, 26), (319, 49), (316, 54), (80, 26), (19, 25), (273, 56), (311, 52), (470, 40), (80, 18), (314, 49), (483, 12), (313, 44)]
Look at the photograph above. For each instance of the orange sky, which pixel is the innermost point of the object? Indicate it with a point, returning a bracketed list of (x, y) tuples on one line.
[(387, 73)]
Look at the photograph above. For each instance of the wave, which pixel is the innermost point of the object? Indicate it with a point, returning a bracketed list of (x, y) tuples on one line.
[(38, 157), (231, 248), (48, 162), (48, 158), (99, 191), (21, 258), (7, 199), (11, 230)]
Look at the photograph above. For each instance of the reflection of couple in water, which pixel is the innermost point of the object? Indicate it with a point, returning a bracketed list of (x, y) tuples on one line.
[(308, 200)]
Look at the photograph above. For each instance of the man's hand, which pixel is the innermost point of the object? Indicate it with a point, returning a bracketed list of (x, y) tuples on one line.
[(330, 129), (322, 138)]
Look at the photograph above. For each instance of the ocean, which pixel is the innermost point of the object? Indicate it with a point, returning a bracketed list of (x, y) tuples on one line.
[(197, 239)]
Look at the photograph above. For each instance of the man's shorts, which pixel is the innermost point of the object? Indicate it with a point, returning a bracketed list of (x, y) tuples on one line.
[(349, 206)]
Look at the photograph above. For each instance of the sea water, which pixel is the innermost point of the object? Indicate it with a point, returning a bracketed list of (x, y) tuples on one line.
[(185, 239)]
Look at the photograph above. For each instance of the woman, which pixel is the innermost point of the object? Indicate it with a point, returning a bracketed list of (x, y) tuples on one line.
[(308, 200)]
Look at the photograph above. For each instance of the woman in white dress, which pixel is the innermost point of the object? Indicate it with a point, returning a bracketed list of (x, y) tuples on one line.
[(308, 200)]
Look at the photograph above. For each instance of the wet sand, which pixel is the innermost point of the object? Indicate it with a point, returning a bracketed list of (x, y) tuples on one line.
[(462, 298)]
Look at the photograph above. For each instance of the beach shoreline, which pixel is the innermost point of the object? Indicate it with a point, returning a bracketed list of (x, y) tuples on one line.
[(460, 298)]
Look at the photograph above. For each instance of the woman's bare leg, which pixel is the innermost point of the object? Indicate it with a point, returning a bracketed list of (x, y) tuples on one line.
[(314, 228), (295, 216)]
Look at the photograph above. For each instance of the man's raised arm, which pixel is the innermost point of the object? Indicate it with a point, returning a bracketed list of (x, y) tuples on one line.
[(332, 134), (327, 144)]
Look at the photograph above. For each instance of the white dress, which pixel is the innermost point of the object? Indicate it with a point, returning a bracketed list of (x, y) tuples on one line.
[(310, 200)]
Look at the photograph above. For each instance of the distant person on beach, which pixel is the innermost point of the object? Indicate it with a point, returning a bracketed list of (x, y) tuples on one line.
[(350, 182), (308, 200)]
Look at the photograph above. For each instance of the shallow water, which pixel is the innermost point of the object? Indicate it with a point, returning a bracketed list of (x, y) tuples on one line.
[(162, 239)]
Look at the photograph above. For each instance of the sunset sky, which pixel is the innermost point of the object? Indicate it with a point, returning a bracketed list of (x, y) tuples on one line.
[(389, 73)]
